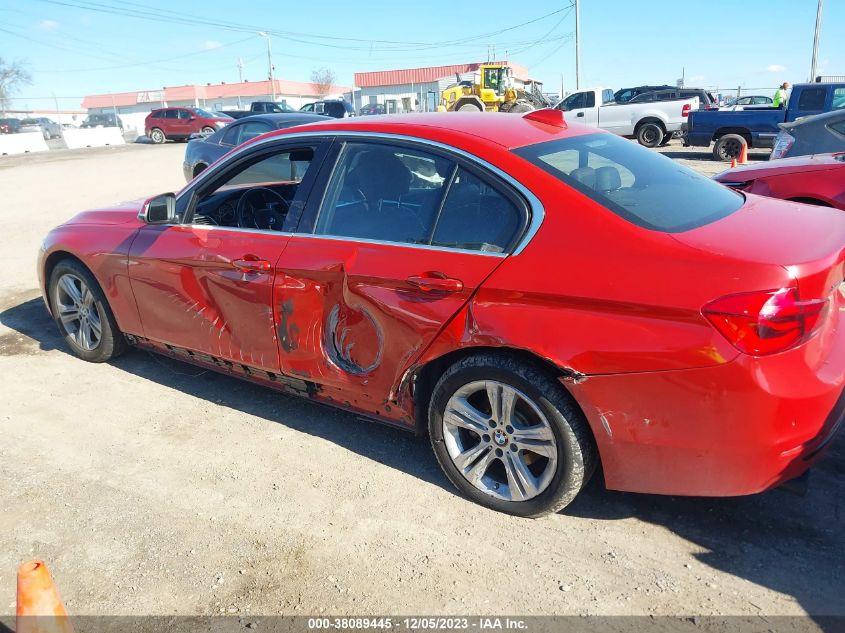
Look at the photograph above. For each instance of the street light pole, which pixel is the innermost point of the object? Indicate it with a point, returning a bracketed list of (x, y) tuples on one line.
[(578, 45), (816, 41), (269, 64)]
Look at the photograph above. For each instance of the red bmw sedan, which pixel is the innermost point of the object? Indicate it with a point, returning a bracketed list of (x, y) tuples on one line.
[(541, 299)]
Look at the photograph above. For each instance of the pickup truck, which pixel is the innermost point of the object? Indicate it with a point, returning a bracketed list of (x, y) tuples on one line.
[(755, 126), (652, 124), (260, 107)]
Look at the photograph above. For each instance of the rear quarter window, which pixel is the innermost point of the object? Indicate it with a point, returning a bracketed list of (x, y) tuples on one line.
[(641, 186)]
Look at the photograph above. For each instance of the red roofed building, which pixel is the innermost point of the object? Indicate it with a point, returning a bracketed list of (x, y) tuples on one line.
[(418, 89), (133, 107)]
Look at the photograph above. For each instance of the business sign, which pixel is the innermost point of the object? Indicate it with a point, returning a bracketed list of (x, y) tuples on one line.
[(150, 96)]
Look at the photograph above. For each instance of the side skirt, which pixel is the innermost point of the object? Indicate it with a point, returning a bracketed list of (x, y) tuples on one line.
[(279, 382)]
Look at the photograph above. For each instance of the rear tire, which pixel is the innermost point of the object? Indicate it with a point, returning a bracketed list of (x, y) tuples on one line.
[(650, 134), (728, 147), (157, 136), (468, 107), (82, 313), (529, 462)]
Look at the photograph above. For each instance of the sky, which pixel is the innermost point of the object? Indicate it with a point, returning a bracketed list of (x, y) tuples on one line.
[(77, 47)]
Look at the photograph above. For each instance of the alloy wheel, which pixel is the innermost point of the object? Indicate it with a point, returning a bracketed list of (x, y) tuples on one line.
[(500, 440), (78, 313)]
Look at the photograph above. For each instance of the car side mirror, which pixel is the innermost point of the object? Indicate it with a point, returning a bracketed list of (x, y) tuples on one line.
[(159, 209)]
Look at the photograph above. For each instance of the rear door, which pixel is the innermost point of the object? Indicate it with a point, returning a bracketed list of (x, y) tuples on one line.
[(402, 238)]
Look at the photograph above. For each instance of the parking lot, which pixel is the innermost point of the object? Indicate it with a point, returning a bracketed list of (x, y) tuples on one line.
[(150, 486)]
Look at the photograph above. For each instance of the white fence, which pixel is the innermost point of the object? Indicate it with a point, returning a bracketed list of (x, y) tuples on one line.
[(93, 137), (22, 143)]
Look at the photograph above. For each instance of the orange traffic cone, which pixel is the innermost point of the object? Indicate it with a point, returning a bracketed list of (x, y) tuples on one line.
[(743, 154), (39, 608), (733, 163)]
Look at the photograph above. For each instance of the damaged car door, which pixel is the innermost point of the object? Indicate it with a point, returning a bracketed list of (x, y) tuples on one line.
[(400, 239), (205, 284)]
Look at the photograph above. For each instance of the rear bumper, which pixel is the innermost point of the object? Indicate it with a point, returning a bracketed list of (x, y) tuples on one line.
[(733, 429)]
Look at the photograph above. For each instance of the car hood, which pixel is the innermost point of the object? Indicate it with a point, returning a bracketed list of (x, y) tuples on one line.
[(122, 213), (808, 241), (745, 173)]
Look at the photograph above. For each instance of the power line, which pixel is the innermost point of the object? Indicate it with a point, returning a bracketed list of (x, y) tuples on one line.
[(169, 16)]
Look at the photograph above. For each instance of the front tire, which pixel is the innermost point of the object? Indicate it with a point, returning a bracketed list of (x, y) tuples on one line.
[(82, 314), (207, 130), (157, 136), (509, 437)]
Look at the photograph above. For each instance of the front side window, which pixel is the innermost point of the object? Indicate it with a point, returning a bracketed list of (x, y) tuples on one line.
[(405, 195), (252, 129), (259, 194), (574, 102), (184, 114), (641, 186)]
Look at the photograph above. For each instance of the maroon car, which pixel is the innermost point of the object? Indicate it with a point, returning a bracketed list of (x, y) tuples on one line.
[(180, 123), (818, 179)]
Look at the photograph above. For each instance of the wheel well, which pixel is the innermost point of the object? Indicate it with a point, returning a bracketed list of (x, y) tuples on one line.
[(199, 168), (649, 119), (471, 99), (813, 201), (743, 132), (427, 376), (50, 263)]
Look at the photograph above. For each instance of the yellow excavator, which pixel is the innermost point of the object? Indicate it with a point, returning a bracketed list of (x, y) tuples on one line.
[(495, 92)]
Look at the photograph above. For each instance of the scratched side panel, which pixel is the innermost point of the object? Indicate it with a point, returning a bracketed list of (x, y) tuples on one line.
[(190, 294), (104, 250), (350, 321)]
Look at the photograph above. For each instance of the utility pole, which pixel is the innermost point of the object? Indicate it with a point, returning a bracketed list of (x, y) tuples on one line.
[(240, 78), (269, 64), (578, 45), (816, 41)]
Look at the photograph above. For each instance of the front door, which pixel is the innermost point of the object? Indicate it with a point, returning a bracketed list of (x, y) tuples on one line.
[(402, 239), (206, 284)]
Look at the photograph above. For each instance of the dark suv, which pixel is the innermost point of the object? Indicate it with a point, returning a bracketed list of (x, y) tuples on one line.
[(106, 119), (337, 108)]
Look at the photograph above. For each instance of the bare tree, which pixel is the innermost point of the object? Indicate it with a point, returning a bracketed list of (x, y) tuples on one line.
[(323, 78), (12, 77)]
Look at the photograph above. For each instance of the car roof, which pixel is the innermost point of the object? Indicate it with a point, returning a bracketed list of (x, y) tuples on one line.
[(507, 130)]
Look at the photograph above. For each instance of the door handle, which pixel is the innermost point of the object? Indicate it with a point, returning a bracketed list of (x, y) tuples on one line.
[(251, 264), (580, 114), (439, 283)]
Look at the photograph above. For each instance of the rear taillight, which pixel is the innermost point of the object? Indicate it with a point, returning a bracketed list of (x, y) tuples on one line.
[(783, 143), (686, 110), (767, 322)]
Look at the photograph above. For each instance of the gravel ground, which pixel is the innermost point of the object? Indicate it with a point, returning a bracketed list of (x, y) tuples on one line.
[(151, 487)]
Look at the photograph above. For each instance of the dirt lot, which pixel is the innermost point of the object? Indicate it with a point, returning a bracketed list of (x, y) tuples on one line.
[(152, 487)]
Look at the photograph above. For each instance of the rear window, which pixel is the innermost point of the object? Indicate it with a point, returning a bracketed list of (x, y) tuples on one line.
[(641, 186)]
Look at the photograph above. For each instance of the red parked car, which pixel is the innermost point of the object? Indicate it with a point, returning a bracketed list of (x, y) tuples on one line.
[(180, 123), (539, 298), (816, 179)]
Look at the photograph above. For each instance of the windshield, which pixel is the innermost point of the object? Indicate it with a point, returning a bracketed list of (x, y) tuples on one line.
[(29, 122), (643, 187), (205, 114)]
